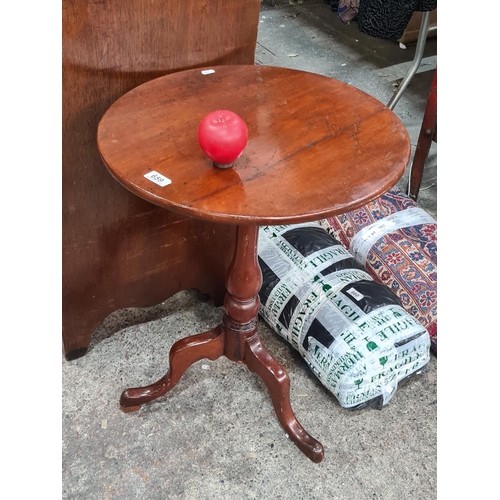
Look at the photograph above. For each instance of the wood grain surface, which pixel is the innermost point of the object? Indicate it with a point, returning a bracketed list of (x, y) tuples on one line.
[(119, 250), (317, 146)]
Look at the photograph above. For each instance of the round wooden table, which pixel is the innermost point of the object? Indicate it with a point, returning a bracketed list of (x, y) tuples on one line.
[(317, 147)]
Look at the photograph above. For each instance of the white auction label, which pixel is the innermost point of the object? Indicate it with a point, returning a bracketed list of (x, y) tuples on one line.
[(208, 71), (354, 293), (157, 178)]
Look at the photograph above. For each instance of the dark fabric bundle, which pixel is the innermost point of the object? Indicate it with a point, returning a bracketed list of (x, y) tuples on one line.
[(353, 332), (389, 18), (380, 18)]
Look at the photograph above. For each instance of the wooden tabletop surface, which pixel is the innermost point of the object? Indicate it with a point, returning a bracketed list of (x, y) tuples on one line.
[(316, 147)]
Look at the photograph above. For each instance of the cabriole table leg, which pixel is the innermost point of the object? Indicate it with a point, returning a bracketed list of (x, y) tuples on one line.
[(183, 354), (243, 343), (277, 382)]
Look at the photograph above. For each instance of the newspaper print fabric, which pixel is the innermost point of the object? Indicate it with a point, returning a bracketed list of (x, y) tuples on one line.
[(351, 331), (403, 257)]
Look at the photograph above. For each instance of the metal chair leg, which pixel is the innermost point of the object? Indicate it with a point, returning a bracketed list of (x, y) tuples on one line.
[(419, 53)]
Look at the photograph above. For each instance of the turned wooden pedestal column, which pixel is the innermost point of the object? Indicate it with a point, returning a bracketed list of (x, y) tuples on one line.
[(317, 147), (238, 340)]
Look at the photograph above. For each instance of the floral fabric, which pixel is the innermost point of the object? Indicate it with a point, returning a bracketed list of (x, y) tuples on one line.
[(405, 260)]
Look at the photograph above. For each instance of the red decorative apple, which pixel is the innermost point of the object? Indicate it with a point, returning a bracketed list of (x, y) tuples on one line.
[(223, 136)]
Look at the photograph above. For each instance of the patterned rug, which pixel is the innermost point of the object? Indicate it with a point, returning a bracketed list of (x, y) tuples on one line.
[(396, 241)]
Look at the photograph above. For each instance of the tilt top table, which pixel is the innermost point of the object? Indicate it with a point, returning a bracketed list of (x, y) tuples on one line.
[(317, 147)]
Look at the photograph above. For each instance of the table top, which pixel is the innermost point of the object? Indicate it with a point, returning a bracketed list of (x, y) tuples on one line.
[(316, 147)]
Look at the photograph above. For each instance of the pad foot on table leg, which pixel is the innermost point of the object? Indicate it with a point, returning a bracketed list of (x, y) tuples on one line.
[(183, 354), (276, 379)]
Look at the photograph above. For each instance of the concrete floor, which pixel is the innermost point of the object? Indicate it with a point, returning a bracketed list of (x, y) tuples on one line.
[(215, 435)]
